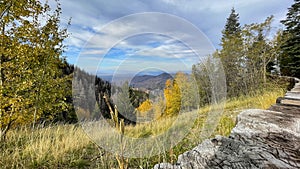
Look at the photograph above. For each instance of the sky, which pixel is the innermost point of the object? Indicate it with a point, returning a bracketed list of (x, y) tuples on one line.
[(110, 37)]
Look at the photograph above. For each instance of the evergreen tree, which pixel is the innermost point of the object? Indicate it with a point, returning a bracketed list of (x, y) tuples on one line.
[(232, 27), (232, 54), (86, 87), (102, 88), (290, 58), (123, 102)]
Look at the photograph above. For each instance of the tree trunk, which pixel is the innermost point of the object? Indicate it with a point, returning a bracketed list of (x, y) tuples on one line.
[(34, 117), (264, 70), (3, 130), (1, 83)]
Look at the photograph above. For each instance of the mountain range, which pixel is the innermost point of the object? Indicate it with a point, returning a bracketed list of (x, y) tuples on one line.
[(150, 82)]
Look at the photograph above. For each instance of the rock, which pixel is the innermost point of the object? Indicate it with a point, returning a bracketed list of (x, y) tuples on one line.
[(292, 98), (261, 139), (291, 102), (293, 95)]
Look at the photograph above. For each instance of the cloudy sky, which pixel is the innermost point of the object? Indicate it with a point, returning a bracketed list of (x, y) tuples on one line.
[(129, 36)]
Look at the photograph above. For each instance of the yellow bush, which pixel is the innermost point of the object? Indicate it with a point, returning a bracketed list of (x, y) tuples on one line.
[(145, 106)]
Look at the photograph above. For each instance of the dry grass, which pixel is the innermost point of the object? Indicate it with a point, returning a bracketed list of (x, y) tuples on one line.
[(51, 147), (67, 146), (234, 106)]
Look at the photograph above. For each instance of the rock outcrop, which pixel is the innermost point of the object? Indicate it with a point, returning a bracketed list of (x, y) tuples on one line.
[(261, 139)]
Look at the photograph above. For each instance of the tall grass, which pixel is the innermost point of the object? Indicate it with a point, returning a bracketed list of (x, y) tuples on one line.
[(260, 100), (51, 147), (68, 146)]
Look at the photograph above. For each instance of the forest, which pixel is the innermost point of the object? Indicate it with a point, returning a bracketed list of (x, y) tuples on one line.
[(38, 88)]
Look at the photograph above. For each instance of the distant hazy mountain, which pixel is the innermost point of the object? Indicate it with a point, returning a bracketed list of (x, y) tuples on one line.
[(150, 82)]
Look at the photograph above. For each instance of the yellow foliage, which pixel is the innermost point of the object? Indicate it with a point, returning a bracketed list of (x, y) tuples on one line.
[(145, 106), (173, 98)]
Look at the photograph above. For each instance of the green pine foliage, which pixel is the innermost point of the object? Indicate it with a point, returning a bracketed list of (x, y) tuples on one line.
[(232, 53), (290, 57), (232, 27)]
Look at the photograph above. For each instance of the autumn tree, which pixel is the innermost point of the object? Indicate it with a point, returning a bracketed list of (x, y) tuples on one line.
[(173, 98), (32, 83), (188, 91), (180, 94), (145, 106), (145, 111)]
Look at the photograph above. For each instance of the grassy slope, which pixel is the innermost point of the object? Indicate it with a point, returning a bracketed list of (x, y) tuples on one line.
[(67, 146)]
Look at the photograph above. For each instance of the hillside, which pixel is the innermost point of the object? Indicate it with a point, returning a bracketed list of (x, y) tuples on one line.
[(50, 147), (150, 82), (261, 139)]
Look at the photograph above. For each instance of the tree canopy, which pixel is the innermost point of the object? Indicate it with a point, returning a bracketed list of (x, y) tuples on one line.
[(290, 57), (32, 83)]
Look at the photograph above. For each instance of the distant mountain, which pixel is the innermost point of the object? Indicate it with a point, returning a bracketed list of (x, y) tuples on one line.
[(150, 82), (106, 77)]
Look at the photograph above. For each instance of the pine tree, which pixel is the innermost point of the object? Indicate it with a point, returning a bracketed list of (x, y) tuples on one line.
[(290, 58), (232, 27), (232, 53), (123, 102)]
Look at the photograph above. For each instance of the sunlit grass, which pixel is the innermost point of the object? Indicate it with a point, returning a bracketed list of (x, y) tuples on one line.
[(234, 106), (68, 146), (51, 147)]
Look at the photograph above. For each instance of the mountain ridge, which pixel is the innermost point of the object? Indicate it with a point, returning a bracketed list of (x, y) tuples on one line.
[(150, 82)]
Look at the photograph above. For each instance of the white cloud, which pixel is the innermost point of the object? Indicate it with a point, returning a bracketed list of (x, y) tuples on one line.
[(92, 16), (167, 51)]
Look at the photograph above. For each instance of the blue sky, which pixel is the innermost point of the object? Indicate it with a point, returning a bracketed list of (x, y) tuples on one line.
[(90, 38)]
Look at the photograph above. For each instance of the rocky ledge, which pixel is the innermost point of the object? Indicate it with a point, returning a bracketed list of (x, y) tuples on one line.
[(261, 139)]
